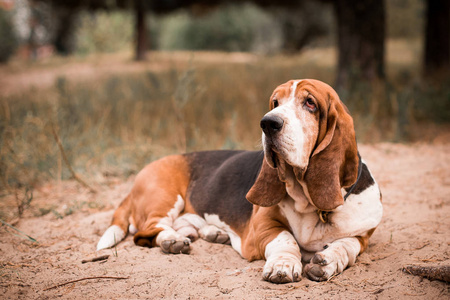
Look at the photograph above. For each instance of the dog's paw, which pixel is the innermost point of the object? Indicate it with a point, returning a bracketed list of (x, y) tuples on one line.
[(174, 246), (321, 267), (282, 270), (333, 259), (213, 234), (219, 237), (172, 242)]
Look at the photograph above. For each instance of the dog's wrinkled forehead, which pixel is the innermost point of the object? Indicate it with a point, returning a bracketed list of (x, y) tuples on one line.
[(295, 88), (284, 90)]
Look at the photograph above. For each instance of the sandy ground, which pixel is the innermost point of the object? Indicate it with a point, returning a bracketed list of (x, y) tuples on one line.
[(415, 181)]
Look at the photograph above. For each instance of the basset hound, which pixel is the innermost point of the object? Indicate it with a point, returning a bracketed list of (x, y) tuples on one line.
[(307, 197)]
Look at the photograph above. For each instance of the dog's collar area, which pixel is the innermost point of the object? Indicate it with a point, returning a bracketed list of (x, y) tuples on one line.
[(323, 214)]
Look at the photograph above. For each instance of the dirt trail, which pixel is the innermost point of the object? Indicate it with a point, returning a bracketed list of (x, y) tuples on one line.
[(415, 181)]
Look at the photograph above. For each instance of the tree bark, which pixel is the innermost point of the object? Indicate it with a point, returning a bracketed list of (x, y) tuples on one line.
[(64, 41), (437, 37), (361, 35), (141, 36)]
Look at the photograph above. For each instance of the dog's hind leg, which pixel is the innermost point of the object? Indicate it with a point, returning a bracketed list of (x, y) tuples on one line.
[(154, 203), (170, 240), (119, 226)]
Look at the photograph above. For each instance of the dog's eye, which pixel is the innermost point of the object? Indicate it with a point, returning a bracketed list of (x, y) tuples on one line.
[(309, 103), (275, 103)]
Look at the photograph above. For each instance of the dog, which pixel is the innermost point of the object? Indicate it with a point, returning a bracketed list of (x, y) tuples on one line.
[(308, 196)]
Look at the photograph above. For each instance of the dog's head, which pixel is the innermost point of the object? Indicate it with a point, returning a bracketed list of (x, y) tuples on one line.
[(309, 130)]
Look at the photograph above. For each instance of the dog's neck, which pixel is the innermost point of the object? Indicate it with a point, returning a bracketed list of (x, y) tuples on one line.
[(296, 191)]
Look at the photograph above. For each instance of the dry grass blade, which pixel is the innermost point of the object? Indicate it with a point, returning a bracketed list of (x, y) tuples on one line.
[(22, 234), (98, 258), (63, 153), (382, 256)]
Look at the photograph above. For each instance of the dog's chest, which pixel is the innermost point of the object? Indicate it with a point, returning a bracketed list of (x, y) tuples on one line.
[(302, 224), (359, 214)]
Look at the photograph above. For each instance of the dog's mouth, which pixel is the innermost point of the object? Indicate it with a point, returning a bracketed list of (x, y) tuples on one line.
[(273, 155), (277, 161), (274, 158)]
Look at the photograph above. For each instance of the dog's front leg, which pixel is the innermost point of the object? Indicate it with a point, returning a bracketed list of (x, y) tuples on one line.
[(283, 259), (337, 256)]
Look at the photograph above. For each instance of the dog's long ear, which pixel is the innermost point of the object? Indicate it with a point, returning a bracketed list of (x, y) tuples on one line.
[(268, 189), (334, 162)]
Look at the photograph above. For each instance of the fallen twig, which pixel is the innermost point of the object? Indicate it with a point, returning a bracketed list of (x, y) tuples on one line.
[(98, 258), (66, 160), (378, 291), (419, 247), (85, 278), (381, 289), (23, 234), (433, 273), (408, 294), (382, 256)]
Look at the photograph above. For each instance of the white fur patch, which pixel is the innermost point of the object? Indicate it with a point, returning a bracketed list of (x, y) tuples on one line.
[(285, 243), (167, 235), (359, 214), (208, 230), (283, 255), (189, 225), (111, 237), (344, 252), (234, 238), (294, 88), (189, 220), (167, 223), (339, 255), (132, 229)]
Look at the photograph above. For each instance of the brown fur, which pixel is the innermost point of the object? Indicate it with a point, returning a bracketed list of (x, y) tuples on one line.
[(122, 214), (334, 162), (153, 195), (364, 240), (268, 190), (282, 91), (264, 226)]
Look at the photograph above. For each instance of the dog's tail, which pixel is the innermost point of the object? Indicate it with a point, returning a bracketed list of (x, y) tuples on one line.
[(119, 226)]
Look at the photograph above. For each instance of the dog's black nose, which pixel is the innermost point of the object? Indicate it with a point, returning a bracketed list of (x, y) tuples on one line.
[(271, 124)]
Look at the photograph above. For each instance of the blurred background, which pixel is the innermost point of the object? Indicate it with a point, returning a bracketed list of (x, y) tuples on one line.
[(102, 87)]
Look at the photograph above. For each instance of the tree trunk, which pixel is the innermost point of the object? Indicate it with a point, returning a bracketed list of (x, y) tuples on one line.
[(361, 34), (64, 41), (141, 36), (437, 37)]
